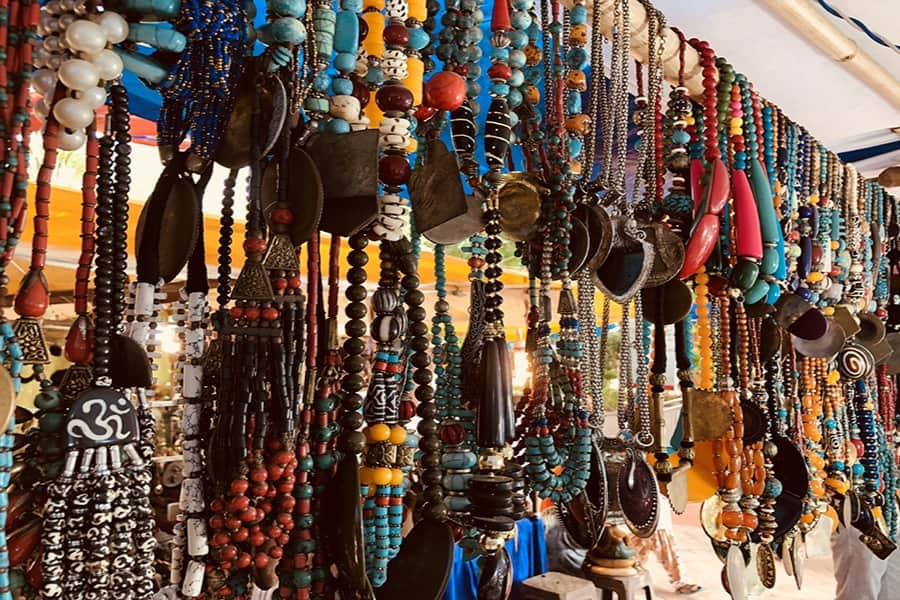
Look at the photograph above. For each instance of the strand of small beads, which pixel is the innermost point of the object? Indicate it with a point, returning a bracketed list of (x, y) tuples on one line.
[(677, 203)]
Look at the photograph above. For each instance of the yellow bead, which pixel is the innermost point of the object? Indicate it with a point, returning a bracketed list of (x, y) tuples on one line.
[(398, 435), (396, 477), (418, 10), (814, 199), (833, 377), (366, 475), (815, 277), (835, 244), (378, 5), (736, 122), (412, 146), (373, 112), (828, 311), (377, 433), (837, 485), (383, 476), (416, 69), (374, 42), (689, 119)]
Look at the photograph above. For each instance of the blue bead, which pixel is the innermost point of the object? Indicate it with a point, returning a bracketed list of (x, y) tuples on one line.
[(338, 126), (345, 61), (418, 38), (499, 54), (681, 136), (517, 59), (515, 99), (352, 5), (346, 32), (577, 57), (342, 86), (321, 82), (499, 89), (289, 8), (518, 39), (839, 465), (520, 19), (578, 14)]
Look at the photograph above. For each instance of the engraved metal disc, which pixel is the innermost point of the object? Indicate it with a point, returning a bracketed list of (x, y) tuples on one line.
[(676, 297), (765, 565), (711, 415), (668, 255), (519, 200)]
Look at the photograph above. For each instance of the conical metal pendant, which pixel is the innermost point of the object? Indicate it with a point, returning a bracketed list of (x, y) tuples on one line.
[(31, 340), (76, 379), (628, 265), (281, 254), (253, 283)]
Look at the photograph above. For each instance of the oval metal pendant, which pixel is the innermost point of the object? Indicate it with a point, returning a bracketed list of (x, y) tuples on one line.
[(765, 565), (519, 199), (600, 232), (668, 255), (638, 494), (735, 571), (171, 216), (625, 270), (303, 193), (597, 493), (234, 149), (579, 246)]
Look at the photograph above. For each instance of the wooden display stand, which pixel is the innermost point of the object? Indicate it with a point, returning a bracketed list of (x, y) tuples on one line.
[(636, 586)]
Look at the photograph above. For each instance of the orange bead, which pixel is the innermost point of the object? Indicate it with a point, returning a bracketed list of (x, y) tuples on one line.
[(750, 521), (732, 518)]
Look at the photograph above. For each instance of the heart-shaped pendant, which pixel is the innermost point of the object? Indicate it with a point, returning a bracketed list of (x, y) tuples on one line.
[(625, 271)]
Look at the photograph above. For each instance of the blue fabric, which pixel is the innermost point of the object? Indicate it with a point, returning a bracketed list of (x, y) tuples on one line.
[(527, 551)]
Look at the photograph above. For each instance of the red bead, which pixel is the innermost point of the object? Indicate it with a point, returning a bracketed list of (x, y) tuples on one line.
[(396, 34), (34, 295), (446, 90), (217, 505), (452, 434), (424, 112), (360, 91), (500, 71), (257, 538), (270, 314), (275, 472), (257, 245), (283, 216), (229, 552), (261, 561), (276, 552), (238, 486), (216, 522), (394, 98), (257, 474), (220, 539), (236, 312), (407, 410), (240, 535), (249, 515), (280, 283), (232, 524), (79, 341), (700, 245), (243, 561), (393, 169), (252, 313)]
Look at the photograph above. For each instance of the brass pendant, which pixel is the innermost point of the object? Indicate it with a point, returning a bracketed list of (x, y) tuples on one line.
[(638, 494), (435, 189), (711, 415), (31, 339), (765, 565), (348, 166), (630, 260), (269, 95), (281, 254), (519, 198)]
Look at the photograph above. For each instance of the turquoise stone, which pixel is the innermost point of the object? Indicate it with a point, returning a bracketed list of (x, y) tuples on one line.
[(289, 31), (499, 89), (517, 59), (681, 136), (518, 39), (345, 62), (573, 103), (316, 104), (577, 57), (769, 262), (168, 9), (578, 14), (499, 54), (157, 36), (418, 38), (342, 86), (346, 33), (774, 294), (459, 460), (515, 99), (517, 78), (520, 19), (523, 4), (456, 482), (289, 8), (352, 5), (142, 66)]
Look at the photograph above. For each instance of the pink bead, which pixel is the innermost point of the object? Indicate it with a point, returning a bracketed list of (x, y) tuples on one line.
[(746, 217)]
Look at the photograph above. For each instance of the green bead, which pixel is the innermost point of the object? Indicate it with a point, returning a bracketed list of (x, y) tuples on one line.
[(48, 400), (51, 422), (744, 274)]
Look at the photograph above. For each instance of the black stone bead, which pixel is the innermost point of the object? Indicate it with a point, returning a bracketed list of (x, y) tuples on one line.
[(354, 345), (424, 393), (354, 363), (419, 343), (355, 328), (416, 313), (352, 420), (356, 310), (356, 276), (414, 298), (352, 382), (420, 360), (357, 258)]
